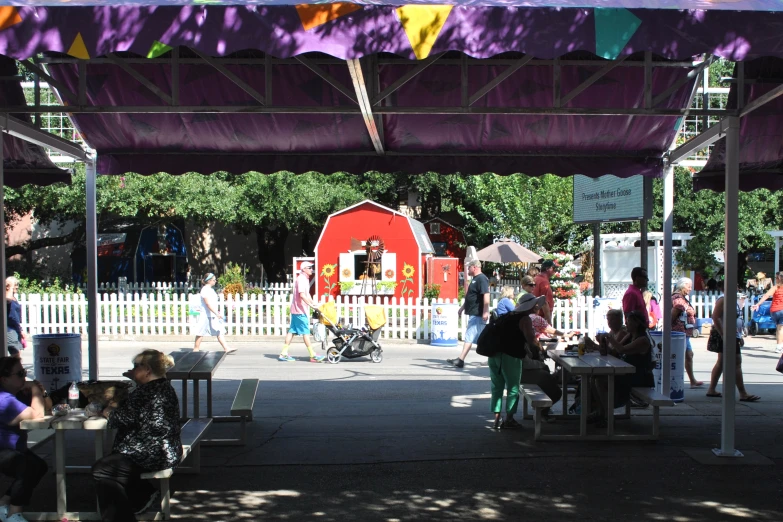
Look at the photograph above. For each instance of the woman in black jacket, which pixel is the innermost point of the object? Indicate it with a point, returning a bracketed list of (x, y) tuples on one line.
[(148, 439)]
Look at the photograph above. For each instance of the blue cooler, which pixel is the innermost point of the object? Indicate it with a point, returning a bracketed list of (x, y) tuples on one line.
[(677, 384)]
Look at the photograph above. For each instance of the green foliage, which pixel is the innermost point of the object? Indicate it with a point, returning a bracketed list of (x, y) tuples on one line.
[(431, 291), (346, 286), (386, 286), (35, 286), (234, 276)]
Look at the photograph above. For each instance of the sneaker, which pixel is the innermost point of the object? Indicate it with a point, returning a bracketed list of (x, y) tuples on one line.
[(779, 349), (150, 501), (317, 358), (282, 357), (636, 403), (16, 517), (459, 363)]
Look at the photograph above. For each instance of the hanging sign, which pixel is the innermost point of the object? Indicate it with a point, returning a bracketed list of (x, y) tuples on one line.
[(610, 198)]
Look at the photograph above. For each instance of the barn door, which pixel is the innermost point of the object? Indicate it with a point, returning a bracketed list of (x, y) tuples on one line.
[(389, 267), (346, 267)]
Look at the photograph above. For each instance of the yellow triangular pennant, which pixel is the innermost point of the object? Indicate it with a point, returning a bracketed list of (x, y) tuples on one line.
[(422, 24), (78, 49)]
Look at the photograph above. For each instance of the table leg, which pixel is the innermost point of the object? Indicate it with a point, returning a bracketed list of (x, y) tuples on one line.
[(195, 399), (610, 407), (564, 400), (59, 469), (184, 398), (209, 397), (587, 382), (99, 435)]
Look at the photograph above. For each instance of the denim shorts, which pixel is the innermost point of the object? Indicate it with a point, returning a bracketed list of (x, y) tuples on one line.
[(777, 317), (475, 326), (688, 347)]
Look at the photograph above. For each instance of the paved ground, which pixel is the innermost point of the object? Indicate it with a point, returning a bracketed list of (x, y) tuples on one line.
[(409, 439)]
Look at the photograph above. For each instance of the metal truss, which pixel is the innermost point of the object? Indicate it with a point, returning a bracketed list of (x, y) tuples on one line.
[(365, 96)]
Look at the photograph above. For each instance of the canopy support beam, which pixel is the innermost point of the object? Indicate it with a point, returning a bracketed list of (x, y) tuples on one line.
[(511, 69), (761, 100), (579, 89), (698, 142), (92, 267), (405, 78), (61, 88), (357, 77), (239, 82), (3, 316), (328, 78), (693, 73), (136, 75), (730, 260), (27, 132), (668, 230)]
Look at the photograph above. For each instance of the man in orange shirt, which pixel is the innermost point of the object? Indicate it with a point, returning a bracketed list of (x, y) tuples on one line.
[(544, 288)]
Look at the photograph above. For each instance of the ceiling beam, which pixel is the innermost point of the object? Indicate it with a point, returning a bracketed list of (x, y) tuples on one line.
[(579, 89), (357, 77), (64, 91), (239, 82), (405, 78), (691, 76), (119, 62), (499, 79), (328, 78), (27, 132)]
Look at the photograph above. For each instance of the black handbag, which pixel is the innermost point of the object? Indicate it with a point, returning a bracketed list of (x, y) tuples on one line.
[(780, 364)]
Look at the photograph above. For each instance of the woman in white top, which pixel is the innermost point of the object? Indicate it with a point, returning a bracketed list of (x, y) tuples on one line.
[(210, 320)]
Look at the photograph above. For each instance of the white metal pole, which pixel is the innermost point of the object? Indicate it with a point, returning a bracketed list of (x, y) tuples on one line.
[(777, 255), (668, 230), (730, 290), (92, 268), (3, 326)]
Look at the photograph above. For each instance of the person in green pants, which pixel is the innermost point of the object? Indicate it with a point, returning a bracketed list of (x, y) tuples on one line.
[(505, 365)]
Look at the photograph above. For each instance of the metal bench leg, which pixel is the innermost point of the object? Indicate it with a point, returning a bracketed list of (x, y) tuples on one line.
[(196, 398), (537, 423), (525, 414), (165, 498), (195, 464), (209, 398), (242, 434), (184, 398), (656, 418)]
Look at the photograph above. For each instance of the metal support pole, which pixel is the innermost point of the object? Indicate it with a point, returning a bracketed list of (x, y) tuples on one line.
[(668, 226), (596, 259), (777, 255), (92, 268), (643, 245), (730, 291), (3, 326)]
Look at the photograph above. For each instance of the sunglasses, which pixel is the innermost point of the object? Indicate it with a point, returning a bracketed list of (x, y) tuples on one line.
[(137, 365)]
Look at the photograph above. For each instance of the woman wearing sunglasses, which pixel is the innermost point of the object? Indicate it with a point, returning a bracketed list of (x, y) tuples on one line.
[(148, 439), (19, 400)]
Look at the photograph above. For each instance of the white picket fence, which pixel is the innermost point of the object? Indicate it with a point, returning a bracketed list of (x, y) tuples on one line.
[(274, 288), (165, 313)]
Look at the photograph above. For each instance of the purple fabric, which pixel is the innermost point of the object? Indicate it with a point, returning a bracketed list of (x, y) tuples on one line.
[(478, 31), (11, 437), (761, 136), (177, 143)]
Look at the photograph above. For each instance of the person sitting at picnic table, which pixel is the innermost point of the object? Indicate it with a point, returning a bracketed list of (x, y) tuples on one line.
[(506, 303), (19, 400), (546, 330), (528, 284), (148, 439), (636, 349), (617, 330)]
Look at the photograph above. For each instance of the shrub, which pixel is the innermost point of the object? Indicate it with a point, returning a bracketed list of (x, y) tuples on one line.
[(431, 291), (232, 281), (232, 289)]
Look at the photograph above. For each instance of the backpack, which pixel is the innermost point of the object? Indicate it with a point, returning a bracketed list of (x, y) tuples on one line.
[(504, 336)]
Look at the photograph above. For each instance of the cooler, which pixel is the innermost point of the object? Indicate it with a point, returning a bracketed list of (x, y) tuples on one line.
[(677, 361), (57, 359)]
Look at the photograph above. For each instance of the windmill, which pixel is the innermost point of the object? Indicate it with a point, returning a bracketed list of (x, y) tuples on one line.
[(374, 248)]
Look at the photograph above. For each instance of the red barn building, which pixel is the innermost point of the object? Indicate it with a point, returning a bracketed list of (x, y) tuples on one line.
[(395, 244), (447, 239)]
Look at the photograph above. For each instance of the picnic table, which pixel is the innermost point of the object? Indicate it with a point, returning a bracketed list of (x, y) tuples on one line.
[(75, 420), (589, 366), (195, 366)]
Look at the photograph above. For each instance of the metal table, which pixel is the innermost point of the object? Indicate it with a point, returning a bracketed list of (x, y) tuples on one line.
[(71, 421), (195, 366)]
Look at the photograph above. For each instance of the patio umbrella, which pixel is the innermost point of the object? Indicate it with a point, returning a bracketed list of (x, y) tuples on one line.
[(507, 252)]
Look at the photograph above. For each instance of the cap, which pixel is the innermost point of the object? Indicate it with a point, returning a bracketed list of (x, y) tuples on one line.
[(306, 264), (547, 264)]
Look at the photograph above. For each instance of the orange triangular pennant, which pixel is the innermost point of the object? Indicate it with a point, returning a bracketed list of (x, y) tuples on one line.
[(313, 15), (9, 16)]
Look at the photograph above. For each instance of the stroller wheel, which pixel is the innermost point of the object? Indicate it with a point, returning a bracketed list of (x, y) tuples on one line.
[(333, 355), (376, 355)]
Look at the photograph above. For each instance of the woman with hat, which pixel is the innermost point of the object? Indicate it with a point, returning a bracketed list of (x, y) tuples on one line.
[(210, 320), (514, 331)]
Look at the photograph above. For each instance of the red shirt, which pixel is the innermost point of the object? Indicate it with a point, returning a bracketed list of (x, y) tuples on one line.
[(544, 288), (634, 300), (777, 300)]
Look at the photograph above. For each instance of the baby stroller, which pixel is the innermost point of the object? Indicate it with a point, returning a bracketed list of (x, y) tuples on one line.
[(352, 342), (761, 319)]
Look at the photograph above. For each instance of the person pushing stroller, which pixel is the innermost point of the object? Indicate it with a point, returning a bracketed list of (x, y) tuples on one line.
[(300, 318)]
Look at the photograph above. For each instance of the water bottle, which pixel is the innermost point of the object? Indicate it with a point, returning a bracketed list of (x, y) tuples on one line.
[(73, 395)]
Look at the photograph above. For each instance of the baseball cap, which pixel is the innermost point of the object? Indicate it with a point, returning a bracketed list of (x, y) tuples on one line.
[(547, 264), (306, 264)]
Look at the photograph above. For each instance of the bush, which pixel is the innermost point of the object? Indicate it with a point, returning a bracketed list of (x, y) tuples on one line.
[(34, 286), (232, 281), (431, 291)]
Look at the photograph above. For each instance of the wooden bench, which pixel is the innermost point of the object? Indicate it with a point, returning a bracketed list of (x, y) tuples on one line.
[(241, 410), (655, 399), (192, 433), (36, 437), (538, 400)]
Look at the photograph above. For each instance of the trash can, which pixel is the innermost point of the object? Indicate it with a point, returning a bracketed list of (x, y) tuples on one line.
[(677, 384), (57, 359), (444, 330)]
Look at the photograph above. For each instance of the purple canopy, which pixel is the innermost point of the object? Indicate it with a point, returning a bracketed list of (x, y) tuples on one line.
[(761, 135), (332, 134), (23, 162)]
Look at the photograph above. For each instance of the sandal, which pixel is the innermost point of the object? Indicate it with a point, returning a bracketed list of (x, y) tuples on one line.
[(751, 398), (511, 424), (498, 423)]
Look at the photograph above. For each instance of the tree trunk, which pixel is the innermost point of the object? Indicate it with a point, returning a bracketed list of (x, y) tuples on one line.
[(271, 252)]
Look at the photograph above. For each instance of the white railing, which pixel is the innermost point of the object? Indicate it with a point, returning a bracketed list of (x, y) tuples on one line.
[(276, 288), (165, 313)]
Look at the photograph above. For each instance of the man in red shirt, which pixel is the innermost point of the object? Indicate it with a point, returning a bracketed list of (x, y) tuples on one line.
[(633, 298), (544, 288)]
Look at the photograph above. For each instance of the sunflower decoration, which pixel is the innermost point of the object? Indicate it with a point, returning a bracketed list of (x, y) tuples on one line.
[(389, 274), (327, 272), (346, 272), (407, 273)]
